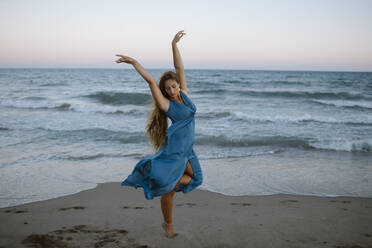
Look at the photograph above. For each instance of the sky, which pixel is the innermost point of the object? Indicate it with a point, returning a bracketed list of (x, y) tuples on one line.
[(320, 35)]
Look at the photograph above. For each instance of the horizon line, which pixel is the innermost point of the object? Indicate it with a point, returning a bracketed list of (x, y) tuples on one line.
[(211, 69)]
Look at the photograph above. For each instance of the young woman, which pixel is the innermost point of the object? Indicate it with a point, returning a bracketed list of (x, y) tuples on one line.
[(174, 167)]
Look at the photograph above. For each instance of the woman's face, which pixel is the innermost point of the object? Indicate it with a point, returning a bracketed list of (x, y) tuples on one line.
[(172, 88)]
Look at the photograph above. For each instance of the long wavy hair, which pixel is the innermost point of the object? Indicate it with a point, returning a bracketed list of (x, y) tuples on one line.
[(157, 124)]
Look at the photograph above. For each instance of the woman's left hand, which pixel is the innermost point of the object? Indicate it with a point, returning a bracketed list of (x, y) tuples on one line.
[(178, 36)]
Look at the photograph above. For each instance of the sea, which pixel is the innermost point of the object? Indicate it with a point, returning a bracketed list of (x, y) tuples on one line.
[(257, 132)]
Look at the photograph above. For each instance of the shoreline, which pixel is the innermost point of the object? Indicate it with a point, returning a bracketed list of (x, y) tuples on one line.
[(113, 214), (302, 173), (293, 173)]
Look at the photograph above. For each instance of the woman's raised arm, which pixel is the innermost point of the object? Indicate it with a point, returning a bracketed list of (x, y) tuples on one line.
[(177, 60), (126, 59), (160, 99)]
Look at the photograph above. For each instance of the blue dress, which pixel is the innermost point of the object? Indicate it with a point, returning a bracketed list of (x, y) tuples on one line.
[(159, 173)]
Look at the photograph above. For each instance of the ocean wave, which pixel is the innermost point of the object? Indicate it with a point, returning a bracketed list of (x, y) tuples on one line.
[(53, 84), (4, 129), (34, 98), (120, 98), (281, 142), (240, 116), (248, 153), (252, 141), (236, 82), (105, 109), (283, 82), (96, 134), (361, 147), (33, 103), (65, 106), (344, 145), (212, 115), (288, 94), (333, 121), (121, 112), (91, 157), (346, 104)]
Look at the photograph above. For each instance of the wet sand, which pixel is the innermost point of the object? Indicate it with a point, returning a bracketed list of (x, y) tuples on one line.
[(115, 216)]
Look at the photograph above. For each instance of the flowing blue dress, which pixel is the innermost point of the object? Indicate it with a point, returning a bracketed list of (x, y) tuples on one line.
[(159, 173)]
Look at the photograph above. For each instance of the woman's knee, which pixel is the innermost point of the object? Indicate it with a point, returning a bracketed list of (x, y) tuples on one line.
[(171, 193), (189, 170)]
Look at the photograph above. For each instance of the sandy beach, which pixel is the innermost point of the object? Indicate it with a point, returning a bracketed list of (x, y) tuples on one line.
[(111, 215)]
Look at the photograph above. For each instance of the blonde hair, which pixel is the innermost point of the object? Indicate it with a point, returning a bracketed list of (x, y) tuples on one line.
[(157, 124)]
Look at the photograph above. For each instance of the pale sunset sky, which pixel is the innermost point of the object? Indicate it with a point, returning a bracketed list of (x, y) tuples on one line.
[(325, 35)]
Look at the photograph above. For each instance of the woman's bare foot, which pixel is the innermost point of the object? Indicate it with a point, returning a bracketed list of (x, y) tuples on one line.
[(168, 228)]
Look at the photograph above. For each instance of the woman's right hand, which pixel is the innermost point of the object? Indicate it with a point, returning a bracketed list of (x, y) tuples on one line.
[(125, 59)]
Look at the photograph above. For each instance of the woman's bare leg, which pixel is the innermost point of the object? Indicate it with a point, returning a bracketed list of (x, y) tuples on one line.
[(167, 206), (185, 179), (189, 170)]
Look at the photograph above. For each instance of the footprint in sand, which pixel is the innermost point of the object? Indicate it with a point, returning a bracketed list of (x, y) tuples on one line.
[(129, 207), (344, 201), (83, 234), (285, 201), (186, 204), (43, 240), (243, 204), (75, 207), (15, 211)]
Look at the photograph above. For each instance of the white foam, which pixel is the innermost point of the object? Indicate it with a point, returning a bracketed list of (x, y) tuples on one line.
[(346, 103), (46, 180), (300, 117), (339, 144), (267, 175), (72, 105)]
